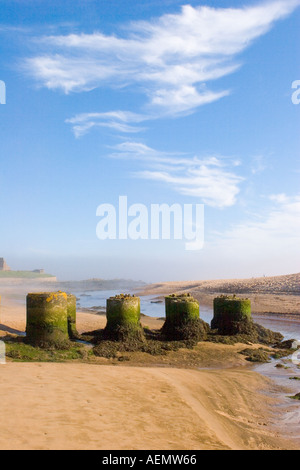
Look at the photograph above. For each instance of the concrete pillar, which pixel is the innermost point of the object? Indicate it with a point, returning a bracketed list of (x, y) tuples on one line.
[(232, 315), (71, 310), (47, 320), (183, 318), (123, 314)]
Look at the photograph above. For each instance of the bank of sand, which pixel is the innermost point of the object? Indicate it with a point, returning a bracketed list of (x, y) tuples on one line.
[(108, 405), (269, 295)]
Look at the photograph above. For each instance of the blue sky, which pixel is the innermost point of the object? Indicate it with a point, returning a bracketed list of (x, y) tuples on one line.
[(165, 102)]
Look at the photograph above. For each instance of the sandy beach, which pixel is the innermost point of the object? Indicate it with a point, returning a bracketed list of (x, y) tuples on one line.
[(81, 406), (148, 403)]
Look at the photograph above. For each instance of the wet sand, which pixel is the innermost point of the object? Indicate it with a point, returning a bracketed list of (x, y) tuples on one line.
[(81, 406)]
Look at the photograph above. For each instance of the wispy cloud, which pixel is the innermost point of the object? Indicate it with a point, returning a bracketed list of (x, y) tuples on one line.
[(13, 29), (119, 120), (171, 58), (210, 179), (271, 230), (258, 164)]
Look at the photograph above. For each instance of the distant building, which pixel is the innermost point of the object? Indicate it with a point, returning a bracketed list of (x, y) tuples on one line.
[(39, 271), (3, 265)]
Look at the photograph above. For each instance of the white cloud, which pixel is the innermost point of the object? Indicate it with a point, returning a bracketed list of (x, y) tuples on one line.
[(279, 198), (208, 179), (118, 120), (140, 151), (272, 231), (171, 58), (13, 29), (258, 164)]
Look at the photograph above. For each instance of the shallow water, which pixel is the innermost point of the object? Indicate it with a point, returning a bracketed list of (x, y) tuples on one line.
[(288, 410), (288, 327)]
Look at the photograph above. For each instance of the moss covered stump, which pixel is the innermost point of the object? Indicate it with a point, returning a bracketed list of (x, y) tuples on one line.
[(71, 310), (183, 319), (232, 315), (123, 314), (47, 320)]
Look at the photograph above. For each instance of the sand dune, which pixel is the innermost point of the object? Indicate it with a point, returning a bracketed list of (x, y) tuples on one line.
[(288, 284), (278, 294)]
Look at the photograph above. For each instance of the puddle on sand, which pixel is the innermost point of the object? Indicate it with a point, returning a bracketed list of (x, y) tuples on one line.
[(287, 410), (86, 343)]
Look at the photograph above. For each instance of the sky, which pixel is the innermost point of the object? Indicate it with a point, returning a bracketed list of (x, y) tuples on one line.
[(167, 102)]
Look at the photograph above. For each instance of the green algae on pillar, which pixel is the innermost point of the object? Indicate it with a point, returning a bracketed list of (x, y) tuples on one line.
[(47, 320), (123, 314), (71, 310), (232, 315), (183, 319)]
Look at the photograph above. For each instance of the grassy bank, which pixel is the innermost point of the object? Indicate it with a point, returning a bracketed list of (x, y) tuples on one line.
[(23, 275)]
